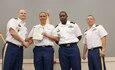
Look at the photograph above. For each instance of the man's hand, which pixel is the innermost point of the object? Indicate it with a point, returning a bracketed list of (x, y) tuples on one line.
[(25, 44), (102, 53), (29, 40), (84, 51), (84, 57)]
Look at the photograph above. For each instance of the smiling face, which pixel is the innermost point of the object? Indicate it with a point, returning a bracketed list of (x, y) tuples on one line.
[(90, 20), (43, 17), (22, 14), (63, 17)]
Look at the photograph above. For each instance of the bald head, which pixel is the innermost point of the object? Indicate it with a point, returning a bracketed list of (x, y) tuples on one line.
[(90, 20), (22, 14)]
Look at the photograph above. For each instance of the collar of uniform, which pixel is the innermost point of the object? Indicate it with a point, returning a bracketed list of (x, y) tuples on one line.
[(92, 26), (65, 24), (21, 22), (44, 25)]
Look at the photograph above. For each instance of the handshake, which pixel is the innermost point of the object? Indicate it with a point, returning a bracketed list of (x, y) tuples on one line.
[(27, 42)]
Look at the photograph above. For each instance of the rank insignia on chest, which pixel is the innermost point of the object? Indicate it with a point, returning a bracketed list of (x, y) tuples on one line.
[(93, 29), (58, 30), (19, 25), (70, 26)]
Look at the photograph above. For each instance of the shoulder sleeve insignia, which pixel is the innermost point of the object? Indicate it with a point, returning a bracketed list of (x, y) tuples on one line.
[(56, 25), (96, 25), (72, 22)]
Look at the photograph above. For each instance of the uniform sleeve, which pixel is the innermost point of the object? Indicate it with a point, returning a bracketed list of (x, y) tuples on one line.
[(12, 24), (77, 30), (56, 28), (102, 31), (84, 41), (54, 31)]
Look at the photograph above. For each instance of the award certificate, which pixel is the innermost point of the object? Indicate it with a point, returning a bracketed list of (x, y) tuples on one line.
[(37, 33)]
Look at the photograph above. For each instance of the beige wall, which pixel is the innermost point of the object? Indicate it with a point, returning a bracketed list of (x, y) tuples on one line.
[(28, 64), (77, 10)]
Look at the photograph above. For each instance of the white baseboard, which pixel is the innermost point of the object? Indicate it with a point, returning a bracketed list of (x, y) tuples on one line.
[(28, 64)]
